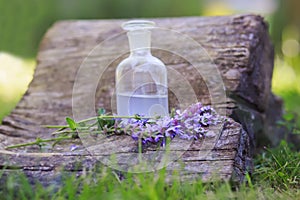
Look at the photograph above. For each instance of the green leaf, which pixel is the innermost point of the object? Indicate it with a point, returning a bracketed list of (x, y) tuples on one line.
[(105, 122), (280, 174), (137, 117), (281, 123), (38, 140), (289, 116), (296, 131), (101, 124), (101, 111), (72, 124), (111, 122)]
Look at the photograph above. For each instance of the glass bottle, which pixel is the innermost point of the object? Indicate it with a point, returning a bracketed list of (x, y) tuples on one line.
[(141, 79)]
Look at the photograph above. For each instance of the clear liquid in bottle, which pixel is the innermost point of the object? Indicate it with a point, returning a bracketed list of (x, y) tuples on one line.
[(141, 79)]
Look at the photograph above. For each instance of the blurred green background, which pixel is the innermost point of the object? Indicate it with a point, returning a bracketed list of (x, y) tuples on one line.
[(24, 22)]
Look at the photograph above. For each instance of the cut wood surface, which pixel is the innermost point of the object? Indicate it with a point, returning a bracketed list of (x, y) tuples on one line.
[(72, 78), (223, 154)]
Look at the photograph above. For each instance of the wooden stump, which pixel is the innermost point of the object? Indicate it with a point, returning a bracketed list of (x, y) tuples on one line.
[(74, 52)]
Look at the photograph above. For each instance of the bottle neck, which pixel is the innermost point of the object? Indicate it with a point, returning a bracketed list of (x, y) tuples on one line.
[(139, 42)]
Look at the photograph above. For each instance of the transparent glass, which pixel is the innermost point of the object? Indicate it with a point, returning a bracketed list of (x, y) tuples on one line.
[(141, 79)]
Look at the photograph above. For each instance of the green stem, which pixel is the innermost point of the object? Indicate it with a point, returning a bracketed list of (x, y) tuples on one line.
[(93, 118), (63, 131), (110, 117), (55, 126), (140, 149), (37, 142)]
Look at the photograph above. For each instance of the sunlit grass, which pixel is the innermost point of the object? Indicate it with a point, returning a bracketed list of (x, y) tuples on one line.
[(15, 75), (286, 83), (285, 78), (217, 9)]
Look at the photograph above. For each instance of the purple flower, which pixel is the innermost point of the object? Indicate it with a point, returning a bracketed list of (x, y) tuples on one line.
[(192, 123), (73, 147), (135, 136), (146, 140), (163, 142), (157, 138)]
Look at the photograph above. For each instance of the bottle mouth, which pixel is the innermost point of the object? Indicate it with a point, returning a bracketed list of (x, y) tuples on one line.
[(138, 25)]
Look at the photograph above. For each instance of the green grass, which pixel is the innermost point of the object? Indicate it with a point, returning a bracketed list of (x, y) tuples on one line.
[(276, 176), (15, 75), (279, 167)]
